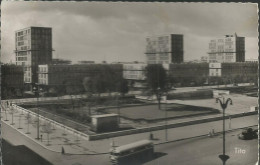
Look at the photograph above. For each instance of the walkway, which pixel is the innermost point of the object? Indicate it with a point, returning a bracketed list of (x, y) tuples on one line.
[(75, 142)]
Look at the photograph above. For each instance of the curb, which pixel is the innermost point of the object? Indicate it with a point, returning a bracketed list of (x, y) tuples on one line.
[(43, 146), (160, 127), (217, 133), (31, 138)]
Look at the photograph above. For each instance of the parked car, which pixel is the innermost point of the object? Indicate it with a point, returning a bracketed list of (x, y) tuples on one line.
[(248, 134)]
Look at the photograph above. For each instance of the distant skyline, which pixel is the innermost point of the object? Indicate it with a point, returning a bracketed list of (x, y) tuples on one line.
[(116, 31)]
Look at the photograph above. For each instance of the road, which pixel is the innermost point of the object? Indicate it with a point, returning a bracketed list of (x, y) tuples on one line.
[(197, 151), (205, 151)]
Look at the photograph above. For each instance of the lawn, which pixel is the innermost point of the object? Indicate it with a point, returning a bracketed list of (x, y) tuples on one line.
[(78, 109), (152, 113)]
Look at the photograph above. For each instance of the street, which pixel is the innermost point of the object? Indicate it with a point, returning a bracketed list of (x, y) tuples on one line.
[(205, 151), (212, 146), (197, 151)]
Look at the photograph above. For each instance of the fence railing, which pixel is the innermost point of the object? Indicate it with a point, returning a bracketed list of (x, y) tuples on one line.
[(57, 124)]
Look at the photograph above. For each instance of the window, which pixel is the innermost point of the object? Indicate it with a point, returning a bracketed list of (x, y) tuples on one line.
[(20, 43)]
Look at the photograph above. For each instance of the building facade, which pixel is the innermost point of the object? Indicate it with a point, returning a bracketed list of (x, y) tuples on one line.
[(134, 71), (164, 49), (229, 48), (215, 69), (188, 74), (33, 46), (12, 77), (71, 75), (240, 72), (204, 59)]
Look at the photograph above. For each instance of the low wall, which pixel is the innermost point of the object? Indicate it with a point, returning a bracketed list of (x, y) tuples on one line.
[(220, 92), (160, 127), (192, 94)]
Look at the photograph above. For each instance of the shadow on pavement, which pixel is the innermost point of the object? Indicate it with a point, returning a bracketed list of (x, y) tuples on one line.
[(20, 155)]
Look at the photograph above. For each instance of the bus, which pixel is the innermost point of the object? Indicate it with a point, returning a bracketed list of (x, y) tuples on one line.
[(132, 153)]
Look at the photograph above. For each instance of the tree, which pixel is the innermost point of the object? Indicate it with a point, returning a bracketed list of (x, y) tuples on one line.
[(89, 88), (123, 86), (29, 121), (88, 84), (12, 111), (156, 80), (70, 90), (47, 128), (4, 108), (105, 80)]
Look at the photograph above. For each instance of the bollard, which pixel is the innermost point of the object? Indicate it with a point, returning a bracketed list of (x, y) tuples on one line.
[(62, 150)]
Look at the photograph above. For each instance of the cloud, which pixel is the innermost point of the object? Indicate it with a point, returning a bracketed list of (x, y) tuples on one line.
[(115, 31)]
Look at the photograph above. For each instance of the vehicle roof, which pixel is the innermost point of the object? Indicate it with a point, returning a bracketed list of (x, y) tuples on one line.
[(104, 115), (132, 145)]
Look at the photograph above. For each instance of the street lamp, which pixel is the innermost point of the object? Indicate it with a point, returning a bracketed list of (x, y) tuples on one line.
[(118, 107), (166, 131), (37, 91), (159, 95), (4, 107), (223, 102), (12, 112)]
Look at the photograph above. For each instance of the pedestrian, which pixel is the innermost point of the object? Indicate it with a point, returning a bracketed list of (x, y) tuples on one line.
[(229, 122), (210, 134), (151, 136), (62, 150)]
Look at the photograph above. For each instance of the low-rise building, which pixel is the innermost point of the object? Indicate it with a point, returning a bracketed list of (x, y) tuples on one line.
[(215, 69), (188, 74), (12, 81), (133, 71), (204, 59), (240, 72), (70, 75), (105, 122)]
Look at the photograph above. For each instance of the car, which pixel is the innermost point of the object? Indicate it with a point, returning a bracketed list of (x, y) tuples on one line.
[(248, 134)]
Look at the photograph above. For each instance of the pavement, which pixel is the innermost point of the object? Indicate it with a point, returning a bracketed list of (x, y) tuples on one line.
[(75, 143), (195, 151), (176, 90), (205, 151), (241, 103)]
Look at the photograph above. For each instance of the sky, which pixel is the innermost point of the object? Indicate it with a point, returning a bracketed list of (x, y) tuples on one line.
[(116, 31)]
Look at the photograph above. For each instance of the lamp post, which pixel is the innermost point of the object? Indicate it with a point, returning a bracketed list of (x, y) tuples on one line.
[(36, 91), (166, 131), (118, 107), (4, 106), (12, 112), (223, 102), (159, 95)]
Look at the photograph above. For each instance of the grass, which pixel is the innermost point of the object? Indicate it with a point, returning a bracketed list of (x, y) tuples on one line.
[(80, 111), (151, 112)]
